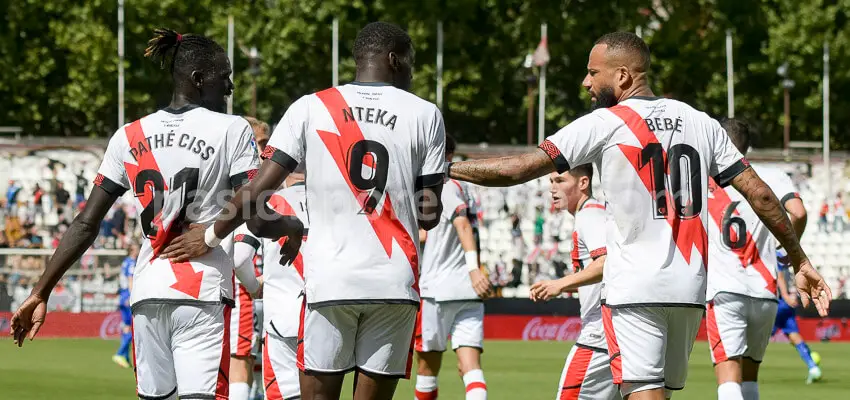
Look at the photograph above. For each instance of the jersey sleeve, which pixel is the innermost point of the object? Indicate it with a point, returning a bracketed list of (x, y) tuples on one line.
[(454, 203), (592, 231), (578, 143), (241, 152), (287, 145), (433, 166), (726, 161), (112, 176)]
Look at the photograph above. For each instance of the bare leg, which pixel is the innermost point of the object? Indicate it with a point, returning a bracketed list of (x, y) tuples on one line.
[(321, 387), (373, 387)]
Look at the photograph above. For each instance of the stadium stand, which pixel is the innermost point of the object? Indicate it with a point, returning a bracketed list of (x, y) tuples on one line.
[(522, 240)]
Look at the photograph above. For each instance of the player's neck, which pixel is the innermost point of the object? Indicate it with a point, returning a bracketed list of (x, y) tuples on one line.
[(583, 199), (372, 75), (641, 90), (180, 100)]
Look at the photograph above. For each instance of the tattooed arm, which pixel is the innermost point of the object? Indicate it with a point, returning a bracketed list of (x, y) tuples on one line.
[(810, 284), (503, 171)]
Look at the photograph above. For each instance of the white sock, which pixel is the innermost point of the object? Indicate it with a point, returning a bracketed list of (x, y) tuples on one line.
[(426, 387), (476, 388), (239, 391), (729, 391), (751, 390)]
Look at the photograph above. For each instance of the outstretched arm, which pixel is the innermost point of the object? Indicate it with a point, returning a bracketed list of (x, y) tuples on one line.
[(29, 317), (503, 171), (545, 290), (763, 201)]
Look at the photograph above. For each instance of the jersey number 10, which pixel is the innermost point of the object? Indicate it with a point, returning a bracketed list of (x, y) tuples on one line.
[(652, 156)]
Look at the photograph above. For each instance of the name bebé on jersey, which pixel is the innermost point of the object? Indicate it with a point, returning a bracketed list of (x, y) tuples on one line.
[(185, 141), (664, 124), (372, 116)]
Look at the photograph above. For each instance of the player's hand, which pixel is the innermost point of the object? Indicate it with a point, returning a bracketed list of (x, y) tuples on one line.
[(812, 287), (28, 319), (189, 245), (259, 293), (792, 301), (545, 290), (480, 284)]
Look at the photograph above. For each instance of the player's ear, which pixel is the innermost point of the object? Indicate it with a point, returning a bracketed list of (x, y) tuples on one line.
[(197, 79), (583, 183), (395, 62), (624, 76)]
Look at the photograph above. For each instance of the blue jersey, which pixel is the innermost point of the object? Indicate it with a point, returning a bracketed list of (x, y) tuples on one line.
[(127, 268), (786, 316)]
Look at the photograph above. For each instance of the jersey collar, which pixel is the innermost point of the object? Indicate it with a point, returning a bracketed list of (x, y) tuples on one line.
[(369, 83), (181, 110)]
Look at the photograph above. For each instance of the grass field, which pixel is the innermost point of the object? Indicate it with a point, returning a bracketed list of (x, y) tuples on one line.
[(82, 370)]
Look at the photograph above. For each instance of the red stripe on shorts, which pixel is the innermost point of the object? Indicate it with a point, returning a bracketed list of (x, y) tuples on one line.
[(417, 331), (613, 346), (269, 378), (571, 386), (300, 352), (222, 387), (718, 352), (246, 323), (133, 349)]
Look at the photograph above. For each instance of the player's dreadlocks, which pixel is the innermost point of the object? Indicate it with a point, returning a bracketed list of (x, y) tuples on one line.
[(186, 53), (381, 38)]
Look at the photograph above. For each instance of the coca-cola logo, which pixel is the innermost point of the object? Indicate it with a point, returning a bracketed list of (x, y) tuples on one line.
[(539, 329), (111, 326)]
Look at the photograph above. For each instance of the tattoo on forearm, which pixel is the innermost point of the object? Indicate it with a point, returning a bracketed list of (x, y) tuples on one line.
[(765, 203), (503, 171)]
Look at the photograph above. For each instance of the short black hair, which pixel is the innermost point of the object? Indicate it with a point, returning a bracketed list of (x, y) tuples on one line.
[(739, 132), (186, 53), (451, 144), (381, 38), (584, 170), (628, 42)]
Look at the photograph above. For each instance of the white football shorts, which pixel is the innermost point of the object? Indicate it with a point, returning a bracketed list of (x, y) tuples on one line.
[(463, 320), (739, 326), (181, 350), (280, 370), (650, 346), (587, 376), (373, 338)]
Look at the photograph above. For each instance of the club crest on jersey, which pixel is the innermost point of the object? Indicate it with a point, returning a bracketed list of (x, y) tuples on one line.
[(370, 115)]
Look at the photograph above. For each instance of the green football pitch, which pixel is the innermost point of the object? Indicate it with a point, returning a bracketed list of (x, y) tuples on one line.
[(83, 369)]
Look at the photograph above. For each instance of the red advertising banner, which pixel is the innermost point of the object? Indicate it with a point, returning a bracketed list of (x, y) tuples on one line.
[(74, 325), (526, 327)]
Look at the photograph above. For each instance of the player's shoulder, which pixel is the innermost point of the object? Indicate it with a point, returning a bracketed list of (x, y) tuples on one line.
[(217, 119), (591, 214)]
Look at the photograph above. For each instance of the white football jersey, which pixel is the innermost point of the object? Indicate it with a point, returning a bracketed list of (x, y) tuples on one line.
[(180, 164), (589, 244), (444, 274), (742, 251), (366, 148), (657, 211), (283, 274)]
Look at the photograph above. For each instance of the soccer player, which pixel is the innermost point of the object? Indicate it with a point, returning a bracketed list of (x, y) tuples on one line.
[(587, 371), (742, 275), (376, 156), (283, 286), (125, 285), (178, 162), (786, 320), (452, 287), (655, 156), (245, 342)]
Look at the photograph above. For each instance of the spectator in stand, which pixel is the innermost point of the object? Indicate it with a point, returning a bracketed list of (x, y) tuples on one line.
[(518, 245), (824, 211), (62, 201), (37, 195), (12, 197), (82, 183), (119, 223), (838, 214)]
